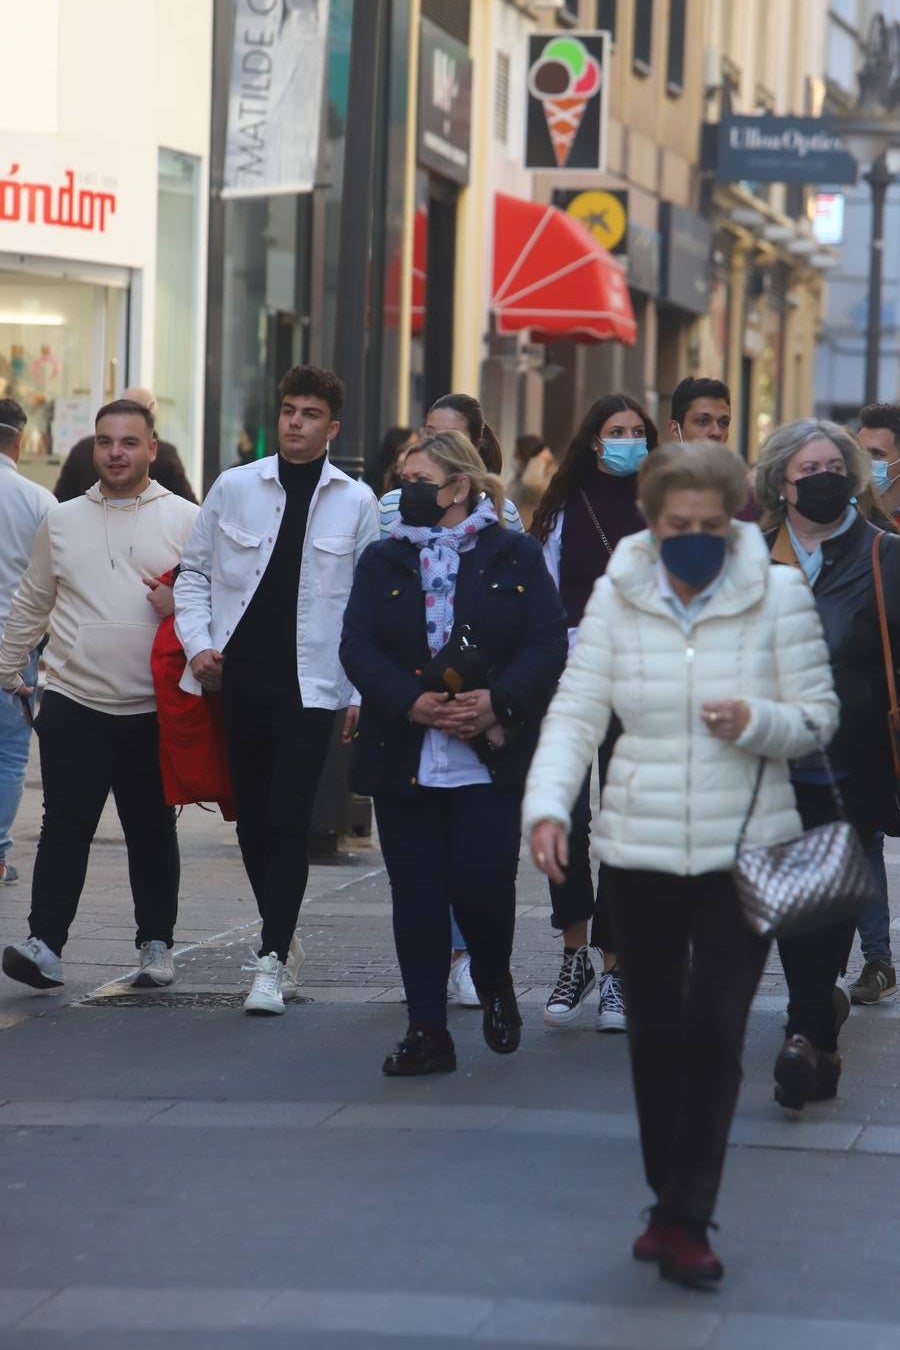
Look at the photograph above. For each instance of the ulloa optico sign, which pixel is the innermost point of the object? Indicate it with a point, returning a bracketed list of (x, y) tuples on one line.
[(781, 150)]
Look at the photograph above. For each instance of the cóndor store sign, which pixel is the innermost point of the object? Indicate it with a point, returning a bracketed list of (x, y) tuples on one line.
[(66, 198)]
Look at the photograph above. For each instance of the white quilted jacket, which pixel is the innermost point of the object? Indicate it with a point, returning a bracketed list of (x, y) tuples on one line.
[(675, 796)]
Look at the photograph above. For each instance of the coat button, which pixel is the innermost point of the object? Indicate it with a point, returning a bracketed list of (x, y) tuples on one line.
[(414, 781), (521, 590), (495, 585), (395, 591)]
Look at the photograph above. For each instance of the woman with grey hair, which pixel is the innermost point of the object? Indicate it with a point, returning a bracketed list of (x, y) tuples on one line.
[(808, 476)]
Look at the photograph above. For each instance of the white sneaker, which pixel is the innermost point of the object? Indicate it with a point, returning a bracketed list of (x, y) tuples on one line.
[(33, 963), (611, 1012), (293, 967), (157, 966), (460, 988), (265, 992)]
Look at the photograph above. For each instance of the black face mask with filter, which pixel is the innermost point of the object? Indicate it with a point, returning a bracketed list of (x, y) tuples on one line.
[(419, 504), (823, 497)]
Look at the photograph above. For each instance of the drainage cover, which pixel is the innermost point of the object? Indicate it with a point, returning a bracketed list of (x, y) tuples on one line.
[(146, 998)]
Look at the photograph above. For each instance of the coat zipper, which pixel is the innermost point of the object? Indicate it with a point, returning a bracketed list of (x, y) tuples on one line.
[(689, 659)]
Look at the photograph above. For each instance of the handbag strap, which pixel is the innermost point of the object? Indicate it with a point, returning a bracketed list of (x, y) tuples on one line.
[(832, 782), (885, 633)]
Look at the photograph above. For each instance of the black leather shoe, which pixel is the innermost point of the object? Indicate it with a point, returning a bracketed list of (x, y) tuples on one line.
[(796, 1070), (502, 1025), (828, 1075), (420, 1053)]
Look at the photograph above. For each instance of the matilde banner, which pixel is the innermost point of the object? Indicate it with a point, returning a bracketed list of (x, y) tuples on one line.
[(275, 97)]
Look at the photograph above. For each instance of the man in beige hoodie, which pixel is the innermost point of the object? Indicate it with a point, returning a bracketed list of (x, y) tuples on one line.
[(90, 582)]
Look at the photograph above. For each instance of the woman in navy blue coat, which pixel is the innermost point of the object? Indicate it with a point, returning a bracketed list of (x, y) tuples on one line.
[(447, 773)]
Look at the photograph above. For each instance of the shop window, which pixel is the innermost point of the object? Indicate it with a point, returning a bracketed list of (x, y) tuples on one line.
[(642, 50), (675, 62), (62, 344), (606, 17), (176, 377)]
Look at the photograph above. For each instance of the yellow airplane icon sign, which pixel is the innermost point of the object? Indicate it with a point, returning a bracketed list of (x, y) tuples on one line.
[(603, 214)]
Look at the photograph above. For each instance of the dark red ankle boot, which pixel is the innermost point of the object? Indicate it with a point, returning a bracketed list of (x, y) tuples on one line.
[(687, 1258), (648, 1246)]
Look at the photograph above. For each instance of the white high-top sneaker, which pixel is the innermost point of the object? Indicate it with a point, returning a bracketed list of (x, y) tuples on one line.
[(265, 992), (292, 967)]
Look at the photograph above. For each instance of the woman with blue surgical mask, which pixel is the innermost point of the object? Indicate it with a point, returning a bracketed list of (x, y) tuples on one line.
[(590, 504)]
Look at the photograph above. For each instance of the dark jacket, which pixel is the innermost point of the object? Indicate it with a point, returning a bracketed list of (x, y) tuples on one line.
[(844, 593), (78, 473), (505, 593)]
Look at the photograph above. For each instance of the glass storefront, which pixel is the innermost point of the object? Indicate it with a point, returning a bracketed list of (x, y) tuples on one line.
[(177, 382), (63, 342)]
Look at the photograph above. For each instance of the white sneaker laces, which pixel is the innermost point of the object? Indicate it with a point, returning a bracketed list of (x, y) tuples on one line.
[(611, 994)]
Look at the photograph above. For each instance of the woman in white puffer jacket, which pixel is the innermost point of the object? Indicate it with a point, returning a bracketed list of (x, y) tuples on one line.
[(711, 658)]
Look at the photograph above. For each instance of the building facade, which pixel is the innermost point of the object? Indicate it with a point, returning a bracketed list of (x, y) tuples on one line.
[(104, 137), (841, 352)]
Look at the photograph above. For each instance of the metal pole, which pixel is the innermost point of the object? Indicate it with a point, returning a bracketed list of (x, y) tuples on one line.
[(879, 179)]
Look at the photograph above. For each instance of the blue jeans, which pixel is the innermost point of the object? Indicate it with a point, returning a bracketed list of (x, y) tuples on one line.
[(874, 923), (15, 740)]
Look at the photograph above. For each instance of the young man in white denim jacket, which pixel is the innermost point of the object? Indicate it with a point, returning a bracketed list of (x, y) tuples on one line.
[(259, 605)]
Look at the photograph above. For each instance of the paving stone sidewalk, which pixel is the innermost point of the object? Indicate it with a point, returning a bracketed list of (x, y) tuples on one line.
[(181, 1175)]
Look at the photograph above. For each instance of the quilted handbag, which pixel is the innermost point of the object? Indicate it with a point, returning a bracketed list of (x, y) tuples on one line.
[(821, 877)]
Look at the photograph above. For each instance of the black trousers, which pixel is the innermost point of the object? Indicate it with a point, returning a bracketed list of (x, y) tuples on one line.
[(460, 844), (577, 899), (85, 755), (813, 961), (276, 753), (685, 1025)]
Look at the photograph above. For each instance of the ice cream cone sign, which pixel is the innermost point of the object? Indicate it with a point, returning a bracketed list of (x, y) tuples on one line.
[(564, 79)]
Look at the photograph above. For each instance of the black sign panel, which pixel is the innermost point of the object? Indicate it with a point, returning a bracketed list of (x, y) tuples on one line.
[(445, 104), (781, 150), (566, 101), (686, 270)]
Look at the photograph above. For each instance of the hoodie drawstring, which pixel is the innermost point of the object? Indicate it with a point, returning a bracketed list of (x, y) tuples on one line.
[(137, 507)]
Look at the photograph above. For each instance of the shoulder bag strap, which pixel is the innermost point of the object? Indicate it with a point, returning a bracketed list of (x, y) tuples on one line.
[(832, 782)]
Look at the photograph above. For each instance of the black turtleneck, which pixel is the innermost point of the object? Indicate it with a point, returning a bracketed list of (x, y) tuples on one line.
[(267, 632)]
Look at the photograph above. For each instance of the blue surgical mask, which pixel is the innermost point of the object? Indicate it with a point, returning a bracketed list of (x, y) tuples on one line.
[(881, 477), (693, 558), (623, 457)]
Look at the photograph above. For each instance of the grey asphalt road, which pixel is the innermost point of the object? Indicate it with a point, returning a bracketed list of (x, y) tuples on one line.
[(178, 1175)]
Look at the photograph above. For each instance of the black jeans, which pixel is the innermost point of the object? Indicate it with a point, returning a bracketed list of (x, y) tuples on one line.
[(276, 753), (576, 900), (813, 961), (85, 755), (685, 1025), (460, 843)]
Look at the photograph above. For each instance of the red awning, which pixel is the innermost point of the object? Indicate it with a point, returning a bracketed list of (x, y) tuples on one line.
[(551, 275)]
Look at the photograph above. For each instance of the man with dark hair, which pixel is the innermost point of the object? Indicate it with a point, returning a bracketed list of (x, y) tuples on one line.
[(879, 433), (701, 410), (77, 473), (90, 580), (23, 505), (259, 604)]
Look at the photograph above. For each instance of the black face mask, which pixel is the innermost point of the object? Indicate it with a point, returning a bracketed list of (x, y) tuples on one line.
[(823, 497), (419, 504)]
